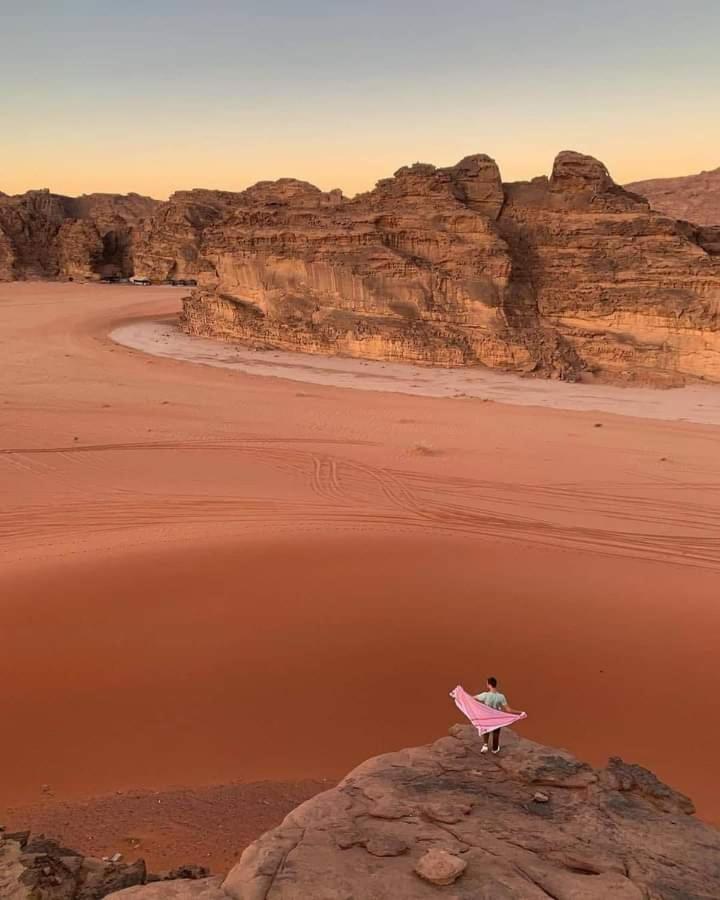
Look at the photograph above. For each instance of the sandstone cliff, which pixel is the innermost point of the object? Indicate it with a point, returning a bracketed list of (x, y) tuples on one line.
[(564, 276), (44, 235), (567, 276), (695, 198)]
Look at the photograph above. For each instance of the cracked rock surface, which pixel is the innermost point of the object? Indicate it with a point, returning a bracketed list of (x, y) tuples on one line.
[(472, 825)]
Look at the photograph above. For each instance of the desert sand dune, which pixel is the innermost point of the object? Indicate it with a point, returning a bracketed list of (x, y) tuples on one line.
[(212, 576)]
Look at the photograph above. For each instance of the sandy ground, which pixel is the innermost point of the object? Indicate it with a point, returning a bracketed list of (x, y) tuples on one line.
[(206, 826), (212, 577)]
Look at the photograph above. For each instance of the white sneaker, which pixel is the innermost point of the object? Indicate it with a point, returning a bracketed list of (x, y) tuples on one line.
[(496, 751), (484, 748)]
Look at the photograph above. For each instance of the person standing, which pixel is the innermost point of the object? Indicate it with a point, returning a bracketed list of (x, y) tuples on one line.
[(495, 699)]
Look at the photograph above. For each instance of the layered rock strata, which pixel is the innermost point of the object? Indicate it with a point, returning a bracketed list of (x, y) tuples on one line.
[(567, 276), (44, 235), (447, 821)]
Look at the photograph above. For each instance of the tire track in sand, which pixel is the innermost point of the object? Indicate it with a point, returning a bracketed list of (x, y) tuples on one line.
[(346, 493)]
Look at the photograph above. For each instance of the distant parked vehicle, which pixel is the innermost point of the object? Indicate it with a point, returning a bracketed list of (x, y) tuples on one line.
[(182, 282), (112, 279), (141, 282)]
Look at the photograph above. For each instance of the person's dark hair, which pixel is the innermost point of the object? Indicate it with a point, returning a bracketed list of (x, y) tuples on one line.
[(492, 681)]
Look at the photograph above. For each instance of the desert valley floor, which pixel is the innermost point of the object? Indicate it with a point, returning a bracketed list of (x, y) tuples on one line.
[(209, 576)]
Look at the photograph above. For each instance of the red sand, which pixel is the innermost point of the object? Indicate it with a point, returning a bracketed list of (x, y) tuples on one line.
[(209, 576), (207, 826)]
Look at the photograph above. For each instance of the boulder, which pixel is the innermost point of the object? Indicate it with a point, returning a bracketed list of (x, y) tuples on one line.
[(181, 889), (440, 867), (35, 867)]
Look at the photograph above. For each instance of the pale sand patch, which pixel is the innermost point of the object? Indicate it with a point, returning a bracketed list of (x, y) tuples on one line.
[(695, 403)]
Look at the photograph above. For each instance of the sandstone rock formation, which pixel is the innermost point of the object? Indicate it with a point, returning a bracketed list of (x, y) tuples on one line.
[(569, 276), (446, 821), (37, 868), (40, 869), (694, 198), (168, 244), (635, 295), (611, 833), (565, 276), (44, 235), (205, 889), (442, 820)]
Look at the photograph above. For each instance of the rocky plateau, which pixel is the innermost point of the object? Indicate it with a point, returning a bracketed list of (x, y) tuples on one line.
[(568, 276), (442, 820)]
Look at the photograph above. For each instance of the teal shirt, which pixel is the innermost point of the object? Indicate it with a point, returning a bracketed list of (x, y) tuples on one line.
[(493, 699)]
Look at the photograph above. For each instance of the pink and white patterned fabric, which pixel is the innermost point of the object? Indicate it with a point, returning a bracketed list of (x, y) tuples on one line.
[(483, 717)]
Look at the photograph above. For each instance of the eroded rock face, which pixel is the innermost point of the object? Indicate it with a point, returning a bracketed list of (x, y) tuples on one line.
[(694, 198), (44, 235), (466, 826), (38, 868), (633, 295), (567, 276), (168, 243), (408, 271), (563, 276)]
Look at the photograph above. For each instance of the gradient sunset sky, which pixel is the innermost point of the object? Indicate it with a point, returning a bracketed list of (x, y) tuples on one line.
[(164, 94)]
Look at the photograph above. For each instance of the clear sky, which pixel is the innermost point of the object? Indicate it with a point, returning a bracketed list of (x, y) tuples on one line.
[(156, 95)]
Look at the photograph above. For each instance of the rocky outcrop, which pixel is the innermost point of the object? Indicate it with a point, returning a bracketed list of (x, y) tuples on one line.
[(447, 821), (37, 868), (44, 235), (409, 271), (694, 198), (168, 244), (568, 276), (633, 294), (205, 889)]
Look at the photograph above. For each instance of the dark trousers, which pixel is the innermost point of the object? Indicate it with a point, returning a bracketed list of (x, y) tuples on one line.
[(495, 736)]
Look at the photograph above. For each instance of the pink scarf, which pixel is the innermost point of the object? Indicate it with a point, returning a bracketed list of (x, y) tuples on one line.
[(483, 717)]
